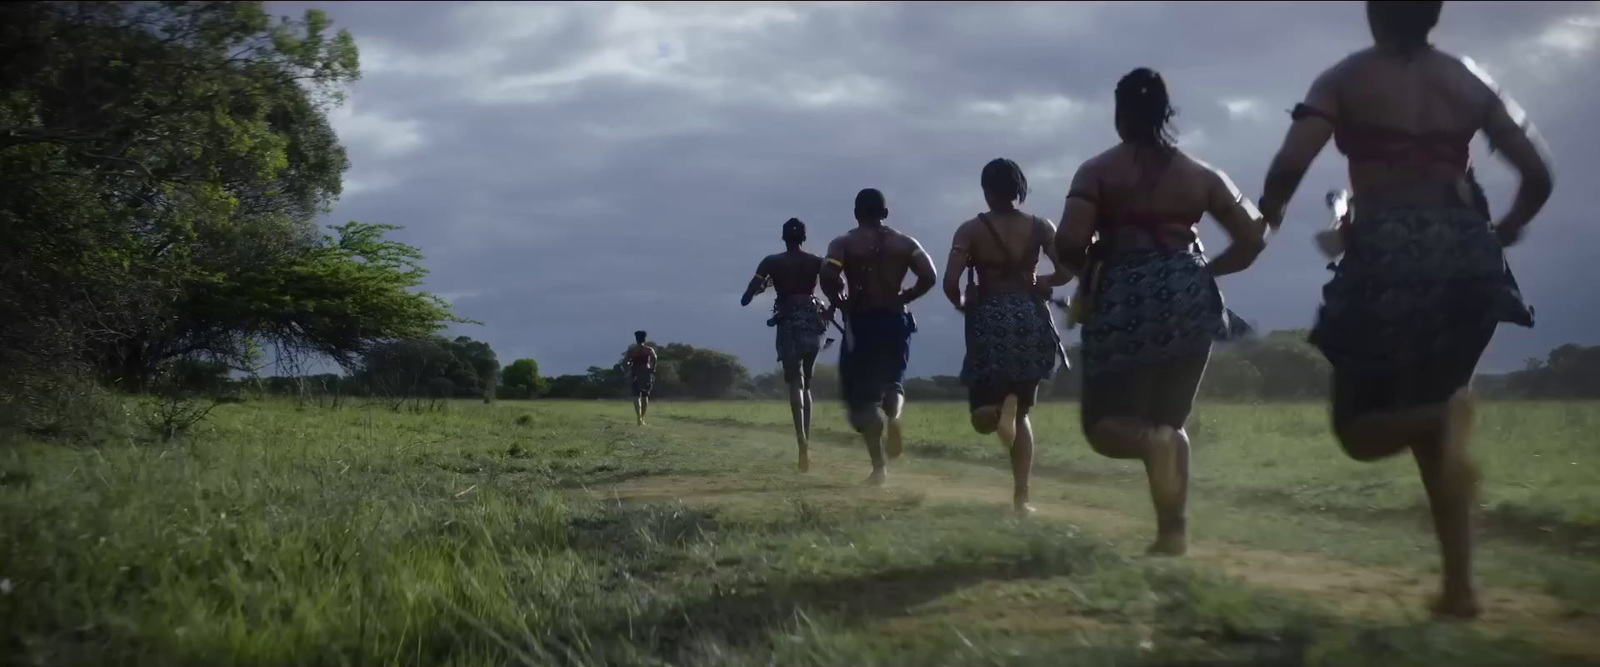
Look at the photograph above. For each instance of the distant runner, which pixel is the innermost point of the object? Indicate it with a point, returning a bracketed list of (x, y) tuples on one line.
[(1012, 344), (874, 259), (640, 362), (800, 319)]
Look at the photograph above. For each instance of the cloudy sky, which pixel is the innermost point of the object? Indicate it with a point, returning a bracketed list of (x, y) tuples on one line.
[(576, 171)]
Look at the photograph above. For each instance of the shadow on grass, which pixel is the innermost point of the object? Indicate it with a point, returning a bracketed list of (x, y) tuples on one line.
[(745, 617)]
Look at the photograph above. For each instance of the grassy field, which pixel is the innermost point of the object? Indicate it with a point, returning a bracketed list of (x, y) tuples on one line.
[(560, 534)]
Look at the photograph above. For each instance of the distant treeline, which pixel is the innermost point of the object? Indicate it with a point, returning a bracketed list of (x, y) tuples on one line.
[(1279, 366)]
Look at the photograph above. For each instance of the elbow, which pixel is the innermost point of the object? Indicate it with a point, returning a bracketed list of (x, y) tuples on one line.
[(1251, 247)]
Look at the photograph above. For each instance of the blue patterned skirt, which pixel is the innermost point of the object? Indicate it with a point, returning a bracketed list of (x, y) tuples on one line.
[(1415, 292), (800, 327), (1152, 307), (1011, 340)]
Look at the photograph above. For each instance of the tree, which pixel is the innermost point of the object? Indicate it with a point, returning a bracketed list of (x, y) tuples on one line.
[(161, 168), (480, 359), (711, 374), (431, 366), (522, 377)]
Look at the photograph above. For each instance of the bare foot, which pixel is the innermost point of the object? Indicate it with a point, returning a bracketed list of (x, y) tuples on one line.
[(1007, 426), (1174, 544), (893, 438), (1458, 605), (1166, 480), (877, 477)]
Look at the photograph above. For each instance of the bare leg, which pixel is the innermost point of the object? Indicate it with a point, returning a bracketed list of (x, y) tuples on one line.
[(1376, 436), (1149, 407), (1007, 423), (986, 419), (1172, 523), (797, 409), (869, 422), (805, 374), (893, 404), (1022, 464), (1164, 451), (638, 409), (1439, 437), (1450, 480), (994, 419)]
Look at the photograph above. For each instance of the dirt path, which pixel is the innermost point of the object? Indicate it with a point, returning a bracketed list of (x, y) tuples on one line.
[(1378, 594)]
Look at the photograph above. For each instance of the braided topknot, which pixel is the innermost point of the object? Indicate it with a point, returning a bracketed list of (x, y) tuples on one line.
[(1003, 179), (1144, 112)]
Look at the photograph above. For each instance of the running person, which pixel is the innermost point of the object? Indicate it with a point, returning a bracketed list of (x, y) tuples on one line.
[(1423, 281), (800, 320), (874, 259), (640, 362), (1148, 300), (1012, 343)]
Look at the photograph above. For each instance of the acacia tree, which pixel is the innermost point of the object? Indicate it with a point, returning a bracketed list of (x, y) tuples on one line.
[(161, 168)]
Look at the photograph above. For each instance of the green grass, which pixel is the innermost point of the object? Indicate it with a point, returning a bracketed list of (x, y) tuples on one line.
[(486, 535), (1539, 460)]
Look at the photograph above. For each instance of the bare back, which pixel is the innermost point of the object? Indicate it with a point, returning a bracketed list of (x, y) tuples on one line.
[(1404, 119), (639, 358), (1009, 263), (875, 261), (793, 273), (1136, 199)]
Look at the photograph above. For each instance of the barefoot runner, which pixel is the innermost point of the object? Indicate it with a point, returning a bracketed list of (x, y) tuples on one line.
[(1148, 297), (640, 362), (1423, 281), (800, 320), (873, 260), (1012, 343)]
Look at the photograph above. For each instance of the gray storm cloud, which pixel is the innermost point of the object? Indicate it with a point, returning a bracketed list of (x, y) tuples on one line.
[(576, 171)]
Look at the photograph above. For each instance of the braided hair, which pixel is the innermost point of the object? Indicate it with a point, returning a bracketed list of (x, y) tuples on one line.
[(1144, 112), (1003, 179), (794, 232)]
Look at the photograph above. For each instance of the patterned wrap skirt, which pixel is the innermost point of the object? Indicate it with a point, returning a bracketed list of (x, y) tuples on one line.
[(1418, 291), (1011, 340), (1152, 307), (800, 325)]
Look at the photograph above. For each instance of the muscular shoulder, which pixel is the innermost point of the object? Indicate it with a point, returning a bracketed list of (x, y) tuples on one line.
[(904, 242), (1101, 161), (1208, 174), (1086, 180)]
